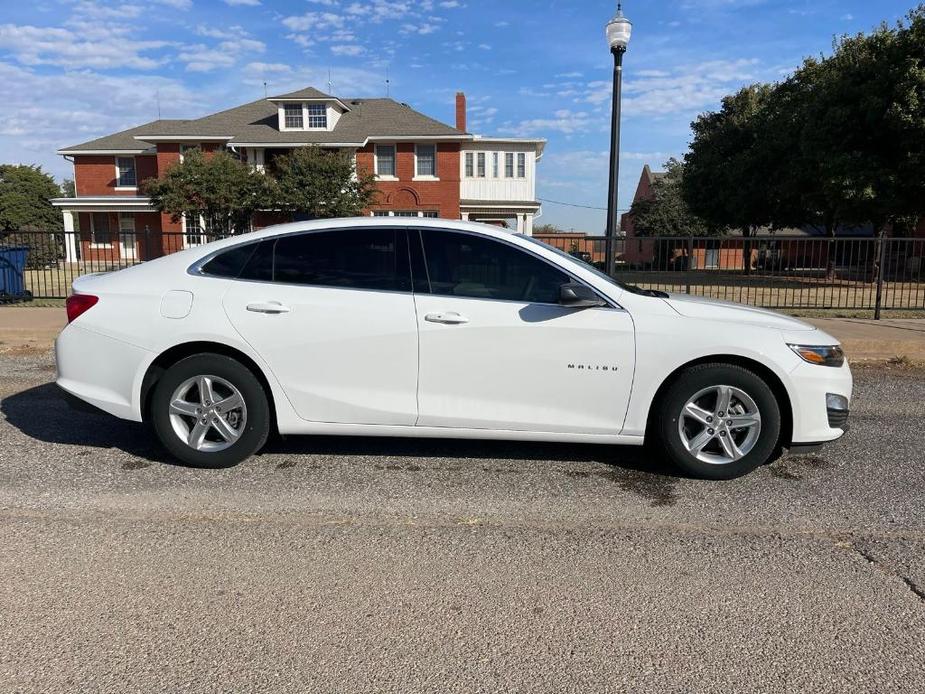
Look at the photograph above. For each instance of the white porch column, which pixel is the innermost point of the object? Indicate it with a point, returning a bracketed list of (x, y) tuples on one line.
[(464, 216), (528, 224), (520, 223), (70, 238)]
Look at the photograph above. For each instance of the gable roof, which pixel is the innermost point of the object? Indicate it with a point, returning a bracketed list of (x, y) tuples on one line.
[(257, 123)]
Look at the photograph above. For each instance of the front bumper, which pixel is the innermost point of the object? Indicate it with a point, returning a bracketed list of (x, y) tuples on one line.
[(821, 397)]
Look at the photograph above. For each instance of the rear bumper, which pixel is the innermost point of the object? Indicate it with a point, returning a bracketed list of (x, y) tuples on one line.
[(101, 371)]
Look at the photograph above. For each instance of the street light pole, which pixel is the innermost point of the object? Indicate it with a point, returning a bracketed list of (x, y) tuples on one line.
[(618, 32)]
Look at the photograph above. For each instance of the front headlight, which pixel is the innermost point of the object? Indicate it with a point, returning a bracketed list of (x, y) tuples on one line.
[(823, 356)]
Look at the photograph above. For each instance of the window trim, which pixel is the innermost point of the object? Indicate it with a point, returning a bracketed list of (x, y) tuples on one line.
[(385, 177), (307, 116), (301, 117), (469, 165), (124, 186), (196, 268), (435, 176), (521, 165), (508, 157)]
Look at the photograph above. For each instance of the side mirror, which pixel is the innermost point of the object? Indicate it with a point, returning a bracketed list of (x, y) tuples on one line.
[(576, 295)]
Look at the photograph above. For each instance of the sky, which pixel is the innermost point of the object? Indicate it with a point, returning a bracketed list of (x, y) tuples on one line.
[(73, 70)]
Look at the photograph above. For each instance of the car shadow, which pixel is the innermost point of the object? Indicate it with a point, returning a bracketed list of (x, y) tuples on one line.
[(42, 414)]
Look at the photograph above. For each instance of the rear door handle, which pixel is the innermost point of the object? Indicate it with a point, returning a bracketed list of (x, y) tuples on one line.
[(272, 307), (448, 318)]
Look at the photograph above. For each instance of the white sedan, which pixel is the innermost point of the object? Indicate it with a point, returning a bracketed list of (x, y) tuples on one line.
[(431, 328)]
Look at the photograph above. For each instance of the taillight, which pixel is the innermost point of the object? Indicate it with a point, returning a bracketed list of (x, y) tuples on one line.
[(77, 304)]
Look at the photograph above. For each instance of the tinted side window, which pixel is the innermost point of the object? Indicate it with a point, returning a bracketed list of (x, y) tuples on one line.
[(474, 266), (230, 262), (348, 258), (260, 265)]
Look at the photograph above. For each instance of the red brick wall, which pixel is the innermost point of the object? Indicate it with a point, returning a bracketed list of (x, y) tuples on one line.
[(96, 174), (407, 194)]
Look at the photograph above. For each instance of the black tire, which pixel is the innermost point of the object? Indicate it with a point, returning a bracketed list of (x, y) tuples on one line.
[(704, 376), (254, 430)]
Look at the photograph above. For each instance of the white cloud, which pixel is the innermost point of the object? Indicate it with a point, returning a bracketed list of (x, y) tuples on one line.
[(262, 68), (249, 3), (348, 50), (314, 21), (85, 47), (564, 121), (176, 4), (202, 58)]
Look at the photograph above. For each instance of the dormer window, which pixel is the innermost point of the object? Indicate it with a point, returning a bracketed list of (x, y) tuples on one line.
[(317, 116), (293, 116)]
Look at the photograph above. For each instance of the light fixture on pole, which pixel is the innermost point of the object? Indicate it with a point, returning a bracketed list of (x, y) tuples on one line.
[(618, 31)]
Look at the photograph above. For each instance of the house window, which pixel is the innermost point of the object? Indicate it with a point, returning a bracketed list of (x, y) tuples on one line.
[(521, 165), (125, 172), (426, 160), (480, 159), (385, 160), (317, 116), (100, 234), (193, 231), (430, 214), (293, 115), (495, 165), (381, 213), (470, 166), (508, 165), (406, 213)]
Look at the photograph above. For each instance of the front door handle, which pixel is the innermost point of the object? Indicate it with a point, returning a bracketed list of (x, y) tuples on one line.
[(448, 318), (271, 307)]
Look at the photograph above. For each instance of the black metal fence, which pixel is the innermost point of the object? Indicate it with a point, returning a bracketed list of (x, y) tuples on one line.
[(788, 273)]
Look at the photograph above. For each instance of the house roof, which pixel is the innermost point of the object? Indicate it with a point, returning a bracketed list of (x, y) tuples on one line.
[(307, 93), (257, 123), (124, 140)]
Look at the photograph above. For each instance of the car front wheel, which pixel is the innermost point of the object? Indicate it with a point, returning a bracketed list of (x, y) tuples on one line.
[(209, 410), (719, 421)]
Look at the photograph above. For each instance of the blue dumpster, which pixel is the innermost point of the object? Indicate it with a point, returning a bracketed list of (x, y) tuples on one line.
[(12, 267)]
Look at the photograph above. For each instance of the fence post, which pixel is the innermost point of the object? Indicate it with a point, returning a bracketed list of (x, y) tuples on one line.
[(147, 234), (690, 260), (881, 261)]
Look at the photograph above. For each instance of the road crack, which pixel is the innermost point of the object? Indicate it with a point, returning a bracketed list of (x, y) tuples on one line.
[(884, 568)]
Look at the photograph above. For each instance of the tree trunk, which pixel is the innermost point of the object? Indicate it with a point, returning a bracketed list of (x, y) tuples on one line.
[(830, 227), (747, 249)]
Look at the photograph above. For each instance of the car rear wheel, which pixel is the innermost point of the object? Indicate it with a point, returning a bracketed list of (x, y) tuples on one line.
[(209, 410), (719, 421)]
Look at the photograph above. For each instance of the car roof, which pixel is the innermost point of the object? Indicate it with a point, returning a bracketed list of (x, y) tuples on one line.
[(353, 222)]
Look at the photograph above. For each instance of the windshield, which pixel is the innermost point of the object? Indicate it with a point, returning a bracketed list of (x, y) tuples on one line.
[(588, 266)]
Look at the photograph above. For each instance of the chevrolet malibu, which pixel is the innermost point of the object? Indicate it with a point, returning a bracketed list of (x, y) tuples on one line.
[(431, 328)]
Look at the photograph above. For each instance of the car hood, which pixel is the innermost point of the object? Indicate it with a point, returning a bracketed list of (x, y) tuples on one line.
[(714, 309)]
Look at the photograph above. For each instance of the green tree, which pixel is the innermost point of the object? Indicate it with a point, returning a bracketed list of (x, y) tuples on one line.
[(547, 229), (666, 212), (321, 183), (726, 170), (25, 199), (221, 189)]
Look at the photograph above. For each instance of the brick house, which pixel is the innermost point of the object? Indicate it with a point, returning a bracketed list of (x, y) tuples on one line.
[(422, 167)]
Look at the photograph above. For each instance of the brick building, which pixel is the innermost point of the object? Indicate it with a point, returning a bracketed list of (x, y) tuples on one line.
[(422, 167)]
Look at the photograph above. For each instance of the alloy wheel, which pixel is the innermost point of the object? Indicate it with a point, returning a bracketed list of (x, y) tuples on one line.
[(208, 413), (720, 424)]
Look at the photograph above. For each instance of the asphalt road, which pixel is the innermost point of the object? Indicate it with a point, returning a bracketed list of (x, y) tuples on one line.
[(373, 565)]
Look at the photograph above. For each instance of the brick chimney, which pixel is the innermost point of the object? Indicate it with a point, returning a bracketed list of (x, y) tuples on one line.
[(461, 111)]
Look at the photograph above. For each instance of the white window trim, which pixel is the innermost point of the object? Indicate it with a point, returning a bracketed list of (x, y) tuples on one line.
[(496, 164), (484, 158), (394, 161), (328, 116), (94, 244), (513, 165), (517, 158), (419, 177), (283, 125), (391, 213), (465, 159), (118, 186)]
